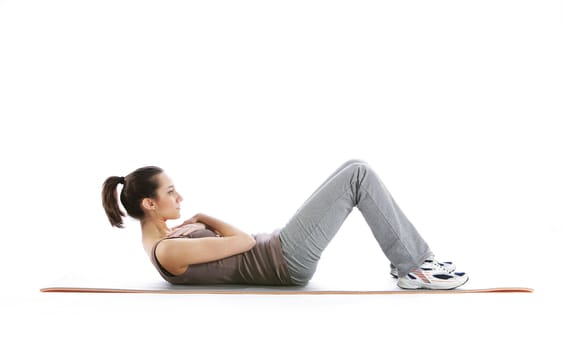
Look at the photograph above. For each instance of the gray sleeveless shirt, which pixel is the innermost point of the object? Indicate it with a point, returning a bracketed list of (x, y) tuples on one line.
[(264, 264)]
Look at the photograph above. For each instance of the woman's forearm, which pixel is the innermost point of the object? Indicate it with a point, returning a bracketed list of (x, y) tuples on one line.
[(219, 226)]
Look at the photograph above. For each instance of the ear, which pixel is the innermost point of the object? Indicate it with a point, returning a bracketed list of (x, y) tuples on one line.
[(148, 204)]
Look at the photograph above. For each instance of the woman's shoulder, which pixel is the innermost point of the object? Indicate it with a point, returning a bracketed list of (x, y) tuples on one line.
[(161, 254)]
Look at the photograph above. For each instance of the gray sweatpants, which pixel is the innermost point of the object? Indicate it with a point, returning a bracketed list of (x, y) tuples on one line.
[(313, 226)]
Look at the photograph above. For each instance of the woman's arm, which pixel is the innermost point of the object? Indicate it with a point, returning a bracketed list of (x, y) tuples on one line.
[(219, 226), (175, 255)]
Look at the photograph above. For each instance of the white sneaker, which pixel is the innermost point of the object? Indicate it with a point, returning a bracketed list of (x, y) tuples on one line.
[(432, 275), (447, 265)]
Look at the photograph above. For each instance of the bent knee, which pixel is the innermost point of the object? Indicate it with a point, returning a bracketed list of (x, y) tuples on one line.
[(354, 161), (359, 164)]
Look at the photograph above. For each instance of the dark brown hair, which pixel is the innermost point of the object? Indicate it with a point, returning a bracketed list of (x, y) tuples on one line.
[(138, 185)]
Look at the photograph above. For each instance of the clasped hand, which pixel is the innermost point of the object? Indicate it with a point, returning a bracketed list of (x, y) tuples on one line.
[(185, 229)]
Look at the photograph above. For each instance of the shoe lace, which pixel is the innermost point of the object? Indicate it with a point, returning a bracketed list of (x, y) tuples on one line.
[(439, 268)]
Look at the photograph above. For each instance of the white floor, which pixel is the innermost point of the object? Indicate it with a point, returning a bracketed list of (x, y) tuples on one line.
[(248, 322), (249, 105)]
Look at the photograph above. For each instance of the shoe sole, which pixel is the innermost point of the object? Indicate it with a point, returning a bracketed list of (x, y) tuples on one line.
[(415, 286)]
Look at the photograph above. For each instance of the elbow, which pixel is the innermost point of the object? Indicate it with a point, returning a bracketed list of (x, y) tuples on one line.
[(251, 242)]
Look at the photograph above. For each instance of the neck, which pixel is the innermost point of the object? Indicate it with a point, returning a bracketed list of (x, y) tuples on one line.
[(154, 229)]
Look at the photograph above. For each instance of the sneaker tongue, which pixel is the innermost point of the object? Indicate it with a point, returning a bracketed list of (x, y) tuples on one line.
[(430, 259), (428, 264)]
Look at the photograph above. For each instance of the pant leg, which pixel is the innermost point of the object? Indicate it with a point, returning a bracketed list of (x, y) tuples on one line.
[(313, 226), (343, 166)]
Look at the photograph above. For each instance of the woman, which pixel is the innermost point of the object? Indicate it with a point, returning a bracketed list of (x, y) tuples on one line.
[(206, 250)]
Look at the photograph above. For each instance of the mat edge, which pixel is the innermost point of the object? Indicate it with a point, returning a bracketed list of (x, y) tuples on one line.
[(291, 292)]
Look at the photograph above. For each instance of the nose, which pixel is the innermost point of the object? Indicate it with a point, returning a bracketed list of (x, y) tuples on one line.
[(180, 198)]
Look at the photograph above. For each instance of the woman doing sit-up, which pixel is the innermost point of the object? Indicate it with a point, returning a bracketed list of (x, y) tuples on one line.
[(207, 250)]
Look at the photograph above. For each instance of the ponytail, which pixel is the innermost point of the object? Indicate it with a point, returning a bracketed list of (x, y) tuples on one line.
[(109, 200), (139, 184)]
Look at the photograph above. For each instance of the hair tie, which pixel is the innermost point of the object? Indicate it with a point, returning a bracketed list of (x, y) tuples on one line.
[(122, 180)]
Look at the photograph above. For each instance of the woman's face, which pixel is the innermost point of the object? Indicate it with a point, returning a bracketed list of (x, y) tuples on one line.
[(167, 198)]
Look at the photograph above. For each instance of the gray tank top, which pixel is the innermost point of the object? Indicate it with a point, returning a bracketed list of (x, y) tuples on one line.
[(264, 264)]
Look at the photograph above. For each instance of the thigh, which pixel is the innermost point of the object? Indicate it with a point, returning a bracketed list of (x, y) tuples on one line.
[(313, 226)]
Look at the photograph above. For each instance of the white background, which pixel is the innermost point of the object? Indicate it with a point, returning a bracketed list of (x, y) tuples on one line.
[(249, 105)]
